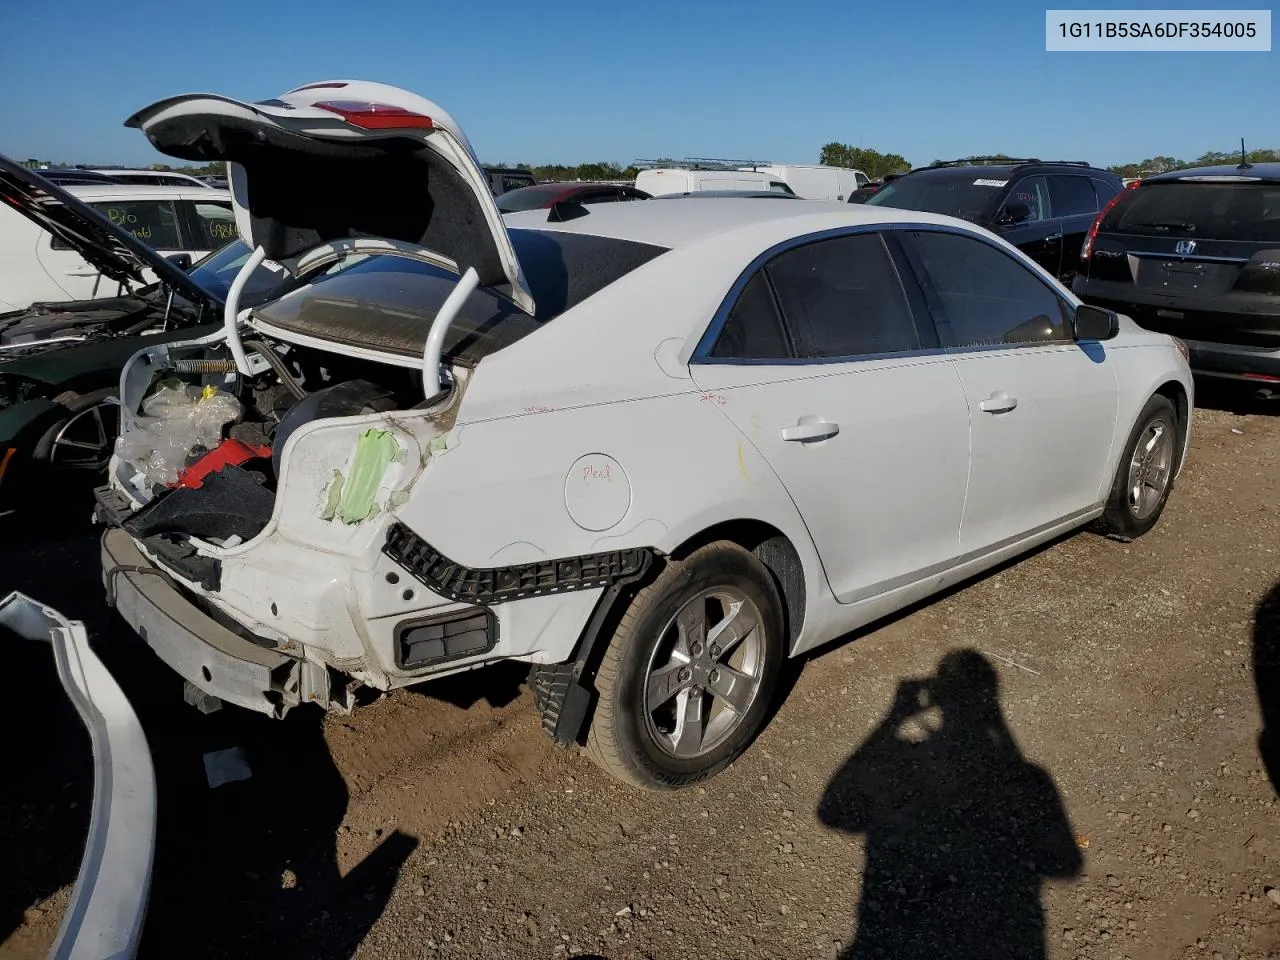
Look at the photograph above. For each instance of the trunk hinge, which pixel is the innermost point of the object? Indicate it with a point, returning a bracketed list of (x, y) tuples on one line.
[(230, 322), (434, 380)]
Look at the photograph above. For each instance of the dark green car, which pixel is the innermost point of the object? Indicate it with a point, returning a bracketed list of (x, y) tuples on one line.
[(60, 362)]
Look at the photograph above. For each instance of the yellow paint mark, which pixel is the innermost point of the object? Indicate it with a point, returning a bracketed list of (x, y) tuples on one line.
[(742, 463), (8, 455)]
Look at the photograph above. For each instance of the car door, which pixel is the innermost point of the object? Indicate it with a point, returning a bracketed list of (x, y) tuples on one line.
[(1036, 235), (1075, 203), (821, 362), (1042, 406)]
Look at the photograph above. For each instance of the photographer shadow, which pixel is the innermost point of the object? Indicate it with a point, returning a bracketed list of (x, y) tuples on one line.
[(961, 830)]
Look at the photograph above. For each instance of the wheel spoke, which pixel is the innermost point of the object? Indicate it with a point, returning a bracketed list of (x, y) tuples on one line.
[(730, 631), (665, 683), (691, 623), (1157, 434), (686, 738), (732, 687), (78, 445)]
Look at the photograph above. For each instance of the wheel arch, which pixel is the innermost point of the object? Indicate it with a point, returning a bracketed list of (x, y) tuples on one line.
[(771, 547), (1176, 393)]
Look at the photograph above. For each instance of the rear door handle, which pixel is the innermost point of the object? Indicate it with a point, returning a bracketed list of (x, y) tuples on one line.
[(808, 429), (1053, 238), (998, 402)]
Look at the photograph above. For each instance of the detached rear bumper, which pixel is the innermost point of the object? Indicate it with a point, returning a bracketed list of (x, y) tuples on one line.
[(109, 903), (201, 650)]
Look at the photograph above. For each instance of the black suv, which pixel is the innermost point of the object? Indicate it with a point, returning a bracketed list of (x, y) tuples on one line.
[(1196, 253), (1044, 208)]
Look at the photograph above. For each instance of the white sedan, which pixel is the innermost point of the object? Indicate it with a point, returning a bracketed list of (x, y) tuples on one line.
[(651, 449), (39, 265)]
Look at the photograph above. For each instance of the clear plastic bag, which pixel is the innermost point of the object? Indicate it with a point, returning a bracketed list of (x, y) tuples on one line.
[(177, 418)]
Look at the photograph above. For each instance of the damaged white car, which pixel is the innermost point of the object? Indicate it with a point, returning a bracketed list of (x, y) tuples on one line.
[(650, 449)]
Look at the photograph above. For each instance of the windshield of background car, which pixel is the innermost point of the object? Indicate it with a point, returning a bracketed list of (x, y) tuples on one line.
[(216, 272), (1220, 211), (955, 193)]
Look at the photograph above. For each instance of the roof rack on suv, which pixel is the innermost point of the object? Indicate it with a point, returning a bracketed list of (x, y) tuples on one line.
[(982, 161), (701, 163)]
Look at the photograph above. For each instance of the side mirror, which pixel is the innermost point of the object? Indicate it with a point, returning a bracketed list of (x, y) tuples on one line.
[(180, 260), (1016, 211), (1095, 323)]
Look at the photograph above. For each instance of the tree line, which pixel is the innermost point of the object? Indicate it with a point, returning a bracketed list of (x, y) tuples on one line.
[(1162, 164)]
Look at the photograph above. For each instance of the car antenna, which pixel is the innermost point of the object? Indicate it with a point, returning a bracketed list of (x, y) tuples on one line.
[(1244, 158)]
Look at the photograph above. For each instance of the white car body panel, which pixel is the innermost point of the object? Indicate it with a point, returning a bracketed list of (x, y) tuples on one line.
[(600, 431), (660, 182), (32, 269)]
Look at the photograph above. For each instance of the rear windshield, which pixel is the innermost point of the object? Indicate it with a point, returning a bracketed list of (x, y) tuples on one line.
[(1219, 211), (969, 195)]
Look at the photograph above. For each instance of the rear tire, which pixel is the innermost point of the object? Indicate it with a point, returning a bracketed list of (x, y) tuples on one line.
[(690, 674), (83, 439), (1144, 476)]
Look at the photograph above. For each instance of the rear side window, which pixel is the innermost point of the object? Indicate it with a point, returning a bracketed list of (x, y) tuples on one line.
[(1217, 211), (515, 183), (843, 298), (1105, 189), (753, 330), (986, 297), (1072, 196), (215, 224)]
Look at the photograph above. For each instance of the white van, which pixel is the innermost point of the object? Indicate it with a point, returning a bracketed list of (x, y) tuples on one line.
[(667, 180), (815, 182)]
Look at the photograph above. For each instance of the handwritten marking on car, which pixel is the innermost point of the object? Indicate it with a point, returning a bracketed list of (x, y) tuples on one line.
[(539, 409), (742, 463), (719, 399), (592, 472)]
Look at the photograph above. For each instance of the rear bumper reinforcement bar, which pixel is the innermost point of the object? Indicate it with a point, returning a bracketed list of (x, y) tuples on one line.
[(109, 903)]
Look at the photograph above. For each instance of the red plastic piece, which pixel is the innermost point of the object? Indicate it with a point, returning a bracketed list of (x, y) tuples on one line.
[(232, 452)]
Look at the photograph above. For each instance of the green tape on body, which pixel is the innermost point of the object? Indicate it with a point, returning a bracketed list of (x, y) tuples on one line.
[(351, 499)]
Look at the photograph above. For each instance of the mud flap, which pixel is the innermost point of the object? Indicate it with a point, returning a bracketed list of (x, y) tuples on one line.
[(108, 905)]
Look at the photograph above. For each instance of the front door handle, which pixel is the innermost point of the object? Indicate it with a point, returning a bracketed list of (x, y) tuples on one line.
[(809, 429), (998, 402), (1053, 238)]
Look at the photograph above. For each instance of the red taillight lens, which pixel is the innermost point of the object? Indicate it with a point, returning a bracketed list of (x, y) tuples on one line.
[(1086, 249), (1261, 376), (377, 116)]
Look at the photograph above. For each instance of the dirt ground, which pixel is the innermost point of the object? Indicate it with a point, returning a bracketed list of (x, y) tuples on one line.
[(1089, 784)]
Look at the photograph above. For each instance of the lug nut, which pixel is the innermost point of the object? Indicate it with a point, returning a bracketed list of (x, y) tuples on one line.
[(715, 651), (713, 676), (686, 675), (696, 649)]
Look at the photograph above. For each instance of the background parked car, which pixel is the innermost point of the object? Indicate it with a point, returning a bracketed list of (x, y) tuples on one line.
[(156, 178), (502, 180), (546, 195), (1196, 253), (73, 176), (816, 181), (186, 222), (664, 180), (1043, 208)]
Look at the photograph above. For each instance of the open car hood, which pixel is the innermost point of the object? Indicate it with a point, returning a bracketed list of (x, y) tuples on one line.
[(339, 160), (117, 253)]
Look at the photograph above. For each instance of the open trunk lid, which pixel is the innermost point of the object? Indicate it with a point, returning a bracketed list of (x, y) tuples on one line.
[(344, 159), (115, 252)]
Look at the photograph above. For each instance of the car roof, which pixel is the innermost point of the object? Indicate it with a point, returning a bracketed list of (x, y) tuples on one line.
[(996, 169), (119, 171), (675, 225), (143, 191), (1269, 171)]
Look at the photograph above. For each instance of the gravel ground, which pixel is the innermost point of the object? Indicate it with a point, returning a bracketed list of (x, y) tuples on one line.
[(1085, 784)]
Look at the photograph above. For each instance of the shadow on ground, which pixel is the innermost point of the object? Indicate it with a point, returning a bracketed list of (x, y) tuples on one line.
[(248, 869), (1266, 679), (961, 830), (1238, 397)]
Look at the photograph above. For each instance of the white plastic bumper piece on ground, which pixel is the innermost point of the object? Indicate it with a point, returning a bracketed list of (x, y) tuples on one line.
[(104, 918)]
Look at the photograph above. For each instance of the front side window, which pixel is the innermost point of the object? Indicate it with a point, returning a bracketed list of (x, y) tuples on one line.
[(154, 222), (838, 298), (985, 296), (1032, 192)]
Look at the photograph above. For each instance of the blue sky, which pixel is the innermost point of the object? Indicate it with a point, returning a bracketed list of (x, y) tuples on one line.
[(738, 79)]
